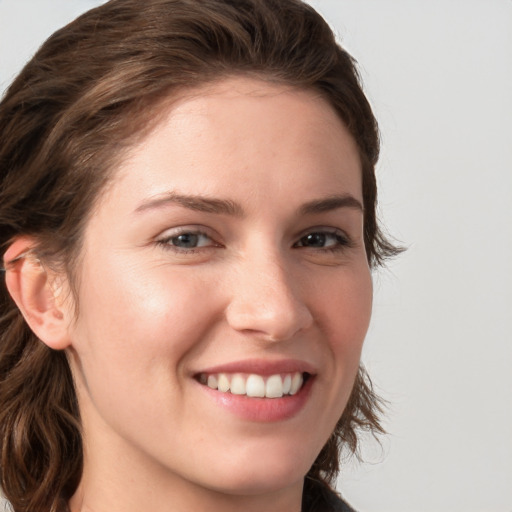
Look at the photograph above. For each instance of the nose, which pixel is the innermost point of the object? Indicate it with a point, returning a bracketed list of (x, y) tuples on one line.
[(267, 300)]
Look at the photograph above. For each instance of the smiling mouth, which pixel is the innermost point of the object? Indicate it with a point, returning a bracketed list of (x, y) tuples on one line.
[(254, 385)]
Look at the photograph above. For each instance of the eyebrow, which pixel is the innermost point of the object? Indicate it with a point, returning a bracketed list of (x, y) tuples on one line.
[(331, 203), (228, 207), (198, 203)]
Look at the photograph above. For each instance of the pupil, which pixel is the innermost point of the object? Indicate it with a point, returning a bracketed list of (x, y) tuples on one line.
[(315, 239), (186, 240)]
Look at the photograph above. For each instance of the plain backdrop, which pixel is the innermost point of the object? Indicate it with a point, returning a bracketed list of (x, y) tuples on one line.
[(439, 76)]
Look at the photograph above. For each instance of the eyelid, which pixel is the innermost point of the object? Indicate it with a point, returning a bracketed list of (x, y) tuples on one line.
[(188, 228), (166, 236)]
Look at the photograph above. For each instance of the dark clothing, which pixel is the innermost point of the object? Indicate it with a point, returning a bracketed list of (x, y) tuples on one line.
[(339, 505), (318, 497)]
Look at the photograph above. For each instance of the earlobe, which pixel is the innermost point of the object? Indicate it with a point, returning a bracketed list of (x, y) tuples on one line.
[(33, 289)]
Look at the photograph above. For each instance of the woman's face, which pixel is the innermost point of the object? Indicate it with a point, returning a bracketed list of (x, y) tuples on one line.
[(227, 252)]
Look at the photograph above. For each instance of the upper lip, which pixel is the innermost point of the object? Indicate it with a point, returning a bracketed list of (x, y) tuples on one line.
[(261, 367)]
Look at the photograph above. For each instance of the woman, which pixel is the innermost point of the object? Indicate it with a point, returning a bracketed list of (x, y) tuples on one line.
[(188, 228)]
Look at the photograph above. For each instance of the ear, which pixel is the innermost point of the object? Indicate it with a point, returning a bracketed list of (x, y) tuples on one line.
[(38, 294)]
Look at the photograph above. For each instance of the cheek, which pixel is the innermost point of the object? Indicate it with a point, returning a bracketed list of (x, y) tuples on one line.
[(134, 335), (347, 312), (133, 323), (349, 308)]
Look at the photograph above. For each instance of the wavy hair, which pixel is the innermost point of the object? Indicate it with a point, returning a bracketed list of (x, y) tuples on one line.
[(90, 91)]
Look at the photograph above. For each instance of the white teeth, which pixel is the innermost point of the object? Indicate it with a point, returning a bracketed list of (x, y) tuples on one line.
[(287, 384), (237, 385), (253, 385), (297, 381), (223, 383), (274, 387), (212, 382)]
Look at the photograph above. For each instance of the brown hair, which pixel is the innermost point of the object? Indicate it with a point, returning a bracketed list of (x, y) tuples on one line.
[(88, 92)]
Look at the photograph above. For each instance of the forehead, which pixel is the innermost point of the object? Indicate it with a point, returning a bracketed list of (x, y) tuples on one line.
[(239, 131)]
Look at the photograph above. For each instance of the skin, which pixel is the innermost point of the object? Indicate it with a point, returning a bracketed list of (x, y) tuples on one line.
[(153, 315)]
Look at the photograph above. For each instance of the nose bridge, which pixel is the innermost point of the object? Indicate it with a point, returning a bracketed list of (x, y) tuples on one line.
[(265, 298)]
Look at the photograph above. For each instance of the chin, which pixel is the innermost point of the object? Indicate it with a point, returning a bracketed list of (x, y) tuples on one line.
[(256, 484), (263, 474)]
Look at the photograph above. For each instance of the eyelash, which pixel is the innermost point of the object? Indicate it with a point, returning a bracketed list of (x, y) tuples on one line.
[(166, 241), (342, 241)]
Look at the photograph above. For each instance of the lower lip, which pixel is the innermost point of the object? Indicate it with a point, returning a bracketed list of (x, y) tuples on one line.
[(264, 410)]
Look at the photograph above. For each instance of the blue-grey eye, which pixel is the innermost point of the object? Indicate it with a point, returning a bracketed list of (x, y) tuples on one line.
[(186, 240), (190, 240)]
